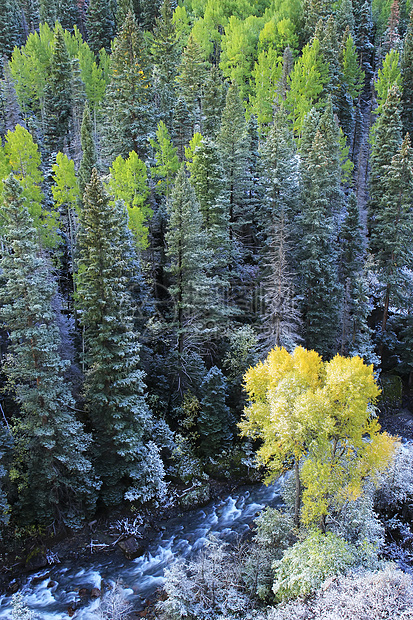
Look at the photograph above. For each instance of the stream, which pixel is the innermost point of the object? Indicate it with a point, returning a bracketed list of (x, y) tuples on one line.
[(180, 537)]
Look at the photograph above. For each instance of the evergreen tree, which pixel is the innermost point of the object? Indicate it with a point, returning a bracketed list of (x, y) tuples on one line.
[(100, 26), (233, 144), (167, 162), (165, 51), (48, 12), (385, 138), (68, 14), (392, 231), (128, 103), (281, 318), (407, 79), (214, 417), (191, 79), (148, 12), (355, 334), (317, 256), (364, 35), (126, 460), (11, 31), (123, 8), (213, 103), (190, 289), (344, 16), (329, 49), (54, 479), (58, 94), (89, 158), (314, 10), (182, 127)]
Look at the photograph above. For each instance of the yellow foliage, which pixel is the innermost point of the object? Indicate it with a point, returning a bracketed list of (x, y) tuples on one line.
[(301, 407)]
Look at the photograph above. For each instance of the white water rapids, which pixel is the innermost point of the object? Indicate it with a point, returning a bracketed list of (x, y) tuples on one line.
[(141, 577)]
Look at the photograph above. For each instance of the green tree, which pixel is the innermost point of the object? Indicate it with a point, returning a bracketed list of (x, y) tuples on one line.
[(66, 196), (68, 14), (389, 75), (11, 31), (167, 162), (126, 460), (306, 84), (100, 26), (213, 422), (165, 50), (89, 157), (265, 88), (129, 182), (182, 127), (317, 414), (407, 79), (213, 103), (128, 109), (58, 91), (54, 479), (191, 78)]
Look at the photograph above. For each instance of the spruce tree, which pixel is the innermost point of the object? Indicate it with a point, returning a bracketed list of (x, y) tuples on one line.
[(165, 51), (392, 231), (407, 79), (100, 26), (364, 29), (233, 144), (188, 260), (356, 335), (88, 161), (126, 460), (55, 481), (128, 104), (58, 94), (213, 422), (68, 14), (191, 78), (385, 139), (317, 254), (48, 12), (11, 31), (213, 103), (182, 127)]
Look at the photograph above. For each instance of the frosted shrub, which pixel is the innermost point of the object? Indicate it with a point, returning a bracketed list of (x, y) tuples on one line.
[(383, 595), (396, 489), (205, 588), (20, 609), (274, 535), (114, 605), (306, 565)]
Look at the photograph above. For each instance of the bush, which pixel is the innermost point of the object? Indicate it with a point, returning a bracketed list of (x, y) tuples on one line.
[(307, 564)]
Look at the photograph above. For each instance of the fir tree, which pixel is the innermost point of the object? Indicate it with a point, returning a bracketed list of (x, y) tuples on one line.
[(214, 417), (182, 127), (364, 35), (356, 335), (100, 26), (11, 31), (127, 462), (48, 12), (233, 144), (68, 14), (148, 12), (165, 51), (89, 158), (213, 103), (385, 138), (191, 79), (54, 479), (128, 106), (407, 79), (58, 94), (186, 251), (317, 256)]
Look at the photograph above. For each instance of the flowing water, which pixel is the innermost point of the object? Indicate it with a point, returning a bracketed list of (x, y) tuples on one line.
[(141, 577)]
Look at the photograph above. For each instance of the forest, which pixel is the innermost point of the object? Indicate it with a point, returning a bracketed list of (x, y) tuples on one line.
[(206, 254)]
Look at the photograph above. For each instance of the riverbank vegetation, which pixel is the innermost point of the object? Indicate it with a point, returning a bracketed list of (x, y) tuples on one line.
[(191, 189)]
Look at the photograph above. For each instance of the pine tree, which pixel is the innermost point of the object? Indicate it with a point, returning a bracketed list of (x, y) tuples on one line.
[(385, 138), (329, 49), (356, 335), (213, 423), (89, 157), (317, 255), (48, 12), (407, 79), (233, 143), (100, 26), (213, 103), (55, 482), (165, 51), (148, 12), (345, 17), (191, 79), (126, 460), (11, 31), (186, 251), (58, 94), (364, 35), (392, 230), (123, 8), (314, 10), (68, 14), (280, 318), (182, 127), (128, 105)]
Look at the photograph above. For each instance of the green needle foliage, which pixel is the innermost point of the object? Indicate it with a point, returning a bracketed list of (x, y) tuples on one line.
[(126, 460), (54, 479)]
